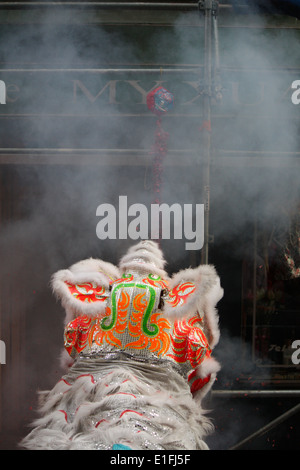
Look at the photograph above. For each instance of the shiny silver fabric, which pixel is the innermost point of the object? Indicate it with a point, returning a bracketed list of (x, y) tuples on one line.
[(98, 404)]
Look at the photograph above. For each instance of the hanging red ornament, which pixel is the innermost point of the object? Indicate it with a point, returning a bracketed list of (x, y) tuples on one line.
[(159, 101)]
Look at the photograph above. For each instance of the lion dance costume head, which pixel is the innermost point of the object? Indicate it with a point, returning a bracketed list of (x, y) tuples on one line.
[(138, 354)]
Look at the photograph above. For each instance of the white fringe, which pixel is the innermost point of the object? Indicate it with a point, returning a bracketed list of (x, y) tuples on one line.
[(93, 412), (92, 270), (205, 279)]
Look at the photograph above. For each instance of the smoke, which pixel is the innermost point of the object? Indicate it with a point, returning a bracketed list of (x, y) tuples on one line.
[(254, 118), (52, 223)]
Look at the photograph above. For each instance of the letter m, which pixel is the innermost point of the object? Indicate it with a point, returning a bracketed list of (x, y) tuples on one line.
[(111, 86)]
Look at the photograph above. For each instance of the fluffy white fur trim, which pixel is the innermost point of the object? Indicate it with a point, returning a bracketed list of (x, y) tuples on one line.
[(66, 360), (204, 277), (149, 246), (95, 265), (209, 366), (211, 318), (200, 394), (90, 270), (70, 411), (146, 255)]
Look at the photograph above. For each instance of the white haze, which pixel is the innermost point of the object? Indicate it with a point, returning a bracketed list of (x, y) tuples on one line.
[(58, 225)]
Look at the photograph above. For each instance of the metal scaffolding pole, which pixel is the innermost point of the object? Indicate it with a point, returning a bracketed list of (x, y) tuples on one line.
[(207, 7), (117, 5), (107, 5), (255, 393), (121, 5), (117, 70), (268, 427)]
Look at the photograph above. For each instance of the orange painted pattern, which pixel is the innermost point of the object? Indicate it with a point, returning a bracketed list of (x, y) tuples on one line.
[(121, 323), (159, 343), (183, 341)]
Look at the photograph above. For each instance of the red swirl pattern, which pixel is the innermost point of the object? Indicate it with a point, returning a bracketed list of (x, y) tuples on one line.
[(189, 342), (180, 293), (87, 292), (77, 333)]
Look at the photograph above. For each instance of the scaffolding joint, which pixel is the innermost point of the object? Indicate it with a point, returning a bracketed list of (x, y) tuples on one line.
[(209, 5)]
